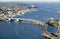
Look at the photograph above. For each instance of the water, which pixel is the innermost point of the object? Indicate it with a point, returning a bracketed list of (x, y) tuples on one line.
[(31, 31)]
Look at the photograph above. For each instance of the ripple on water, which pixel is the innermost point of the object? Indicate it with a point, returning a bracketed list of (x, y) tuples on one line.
[(19, 31)]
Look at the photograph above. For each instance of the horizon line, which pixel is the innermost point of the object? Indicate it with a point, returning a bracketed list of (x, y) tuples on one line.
[(29, 1)]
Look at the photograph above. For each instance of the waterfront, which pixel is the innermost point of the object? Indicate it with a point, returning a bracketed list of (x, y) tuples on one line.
[(29, 31)]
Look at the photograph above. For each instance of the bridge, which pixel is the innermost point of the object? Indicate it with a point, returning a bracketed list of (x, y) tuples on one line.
[(40, 23)]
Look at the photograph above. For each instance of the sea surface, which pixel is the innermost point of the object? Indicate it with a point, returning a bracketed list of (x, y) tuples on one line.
[(30, 31)]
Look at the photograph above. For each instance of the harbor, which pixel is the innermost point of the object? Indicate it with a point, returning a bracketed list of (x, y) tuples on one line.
[(39, 23), (8, 17), (27, 22)]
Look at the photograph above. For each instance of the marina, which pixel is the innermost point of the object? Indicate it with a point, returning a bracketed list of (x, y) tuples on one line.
[(8, 15), (42, 24)]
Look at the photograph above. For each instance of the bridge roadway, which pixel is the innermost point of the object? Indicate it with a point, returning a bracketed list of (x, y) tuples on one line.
[(42, 24)]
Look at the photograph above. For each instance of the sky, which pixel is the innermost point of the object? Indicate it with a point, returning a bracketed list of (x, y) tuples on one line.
[(30, 0)]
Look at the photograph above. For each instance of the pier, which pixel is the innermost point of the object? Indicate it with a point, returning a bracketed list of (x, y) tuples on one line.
[(31, 21)]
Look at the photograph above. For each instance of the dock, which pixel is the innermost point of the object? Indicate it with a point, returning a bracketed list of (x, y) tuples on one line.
[(31, 21)]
